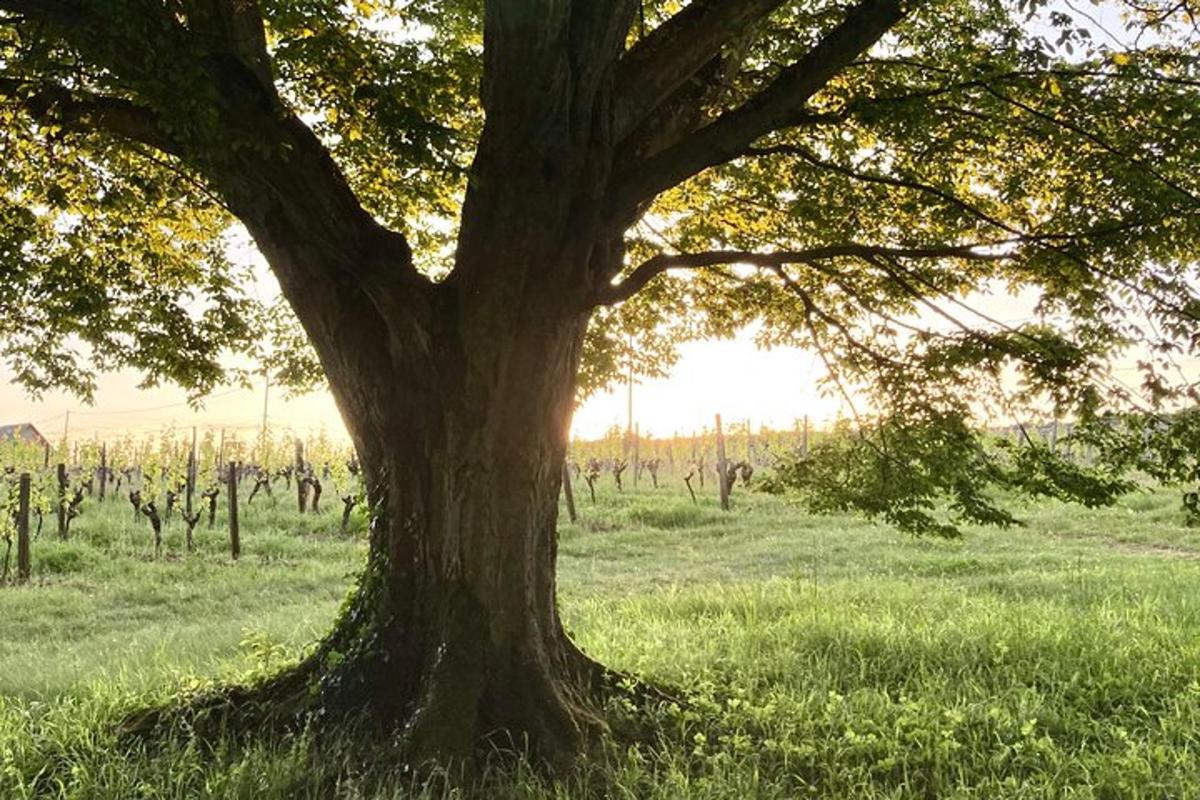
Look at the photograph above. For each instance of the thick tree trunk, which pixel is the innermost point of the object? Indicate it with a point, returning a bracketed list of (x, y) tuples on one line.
[(458, 397), (453, 637)]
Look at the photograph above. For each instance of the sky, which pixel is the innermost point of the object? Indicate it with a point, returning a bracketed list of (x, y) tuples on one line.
[(734, 378), (775, 388)]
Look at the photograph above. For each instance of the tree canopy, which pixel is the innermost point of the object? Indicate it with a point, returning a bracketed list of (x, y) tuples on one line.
[(850, 176)]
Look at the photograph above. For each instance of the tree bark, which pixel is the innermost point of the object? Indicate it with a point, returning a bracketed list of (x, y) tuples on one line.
[(454, 635)]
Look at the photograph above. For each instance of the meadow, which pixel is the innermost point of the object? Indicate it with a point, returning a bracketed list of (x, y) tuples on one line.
[(818, 656)]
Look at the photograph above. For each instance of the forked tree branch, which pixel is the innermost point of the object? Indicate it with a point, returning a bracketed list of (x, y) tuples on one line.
[(775, 107), (659, 64)]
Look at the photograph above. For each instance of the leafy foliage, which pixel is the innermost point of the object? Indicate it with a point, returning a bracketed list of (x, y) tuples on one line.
[(927, 475), (972, 147)]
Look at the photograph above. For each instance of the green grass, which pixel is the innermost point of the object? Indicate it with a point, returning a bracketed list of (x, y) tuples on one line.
[(824, 657)]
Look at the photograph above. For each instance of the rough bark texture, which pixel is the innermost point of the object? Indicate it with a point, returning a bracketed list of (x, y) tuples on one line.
[(453, 636)]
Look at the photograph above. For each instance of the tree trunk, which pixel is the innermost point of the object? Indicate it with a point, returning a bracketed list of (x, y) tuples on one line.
[(453, 636), (458, 396)]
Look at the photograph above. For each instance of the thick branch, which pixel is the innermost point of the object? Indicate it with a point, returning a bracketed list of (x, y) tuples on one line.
[(775, 107), (657, 265), (659, 64), (664, 262), (55, 105), (197, 69)]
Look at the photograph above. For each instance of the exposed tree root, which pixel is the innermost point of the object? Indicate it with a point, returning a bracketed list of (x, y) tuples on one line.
[(278, 703), (550, 720)]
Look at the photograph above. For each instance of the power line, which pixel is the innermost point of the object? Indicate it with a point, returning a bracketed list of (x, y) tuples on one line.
[(157, 408)]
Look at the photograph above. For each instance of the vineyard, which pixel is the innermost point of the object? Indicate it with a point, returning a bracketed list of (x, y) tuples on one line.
[(182, 481), (172, 482)]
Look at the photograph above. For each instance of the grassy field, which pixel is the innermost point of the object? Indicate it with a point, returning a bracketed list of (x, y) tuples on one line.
[(824, 657)]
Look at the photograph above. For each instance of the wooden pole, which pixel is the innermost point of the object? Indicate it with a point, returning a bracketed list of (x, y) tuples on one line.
[(301, 486), (266, 394), (568, 493), (23, 566), (637, 460), (62, 499), (103, 469), (804, 437), (191, 475), (235, 540), (721, 482)]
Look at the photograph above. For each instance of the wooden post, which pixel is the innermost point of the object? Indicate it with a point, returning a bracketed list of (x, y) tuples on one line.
[(301, 485), (103, 469), (637, 460), (191, 475), (804, 437), (62, 499), (23, 568), (235, 541), (568, 493), (721, 482)]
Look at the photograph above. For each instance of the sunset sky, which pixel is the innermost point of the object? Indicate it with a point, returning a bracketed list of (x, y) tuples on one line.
[(733, 378)]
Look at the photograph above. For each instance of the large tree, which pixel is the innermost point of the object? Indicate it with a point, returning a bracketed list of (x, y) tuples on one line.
[(447, 190)]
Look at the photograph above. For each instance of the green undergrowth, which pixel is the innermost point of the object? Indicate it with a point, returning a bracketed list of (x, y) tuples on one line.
[(821, 656)]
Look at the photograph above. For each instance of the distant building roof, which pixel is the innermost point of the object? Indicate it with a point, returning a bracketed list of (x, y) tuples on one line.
[(22, 431)]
